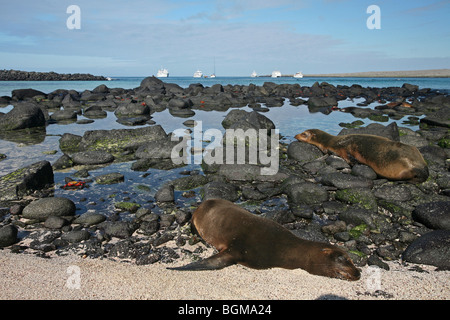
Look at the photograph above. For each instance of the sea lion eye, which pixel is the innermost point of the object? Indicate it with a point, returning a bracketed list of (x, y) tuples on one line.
[(342, 259)]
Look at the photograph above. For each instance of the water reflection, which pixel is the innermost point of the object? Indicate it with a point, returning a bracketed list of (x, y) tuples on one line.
[(24, 148), (25, 137)]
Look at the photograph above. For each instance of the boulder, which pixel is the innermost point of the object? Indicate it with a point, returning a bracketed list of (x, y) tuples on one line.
[(76, 236), (434, 215), (439, 118), (220, 190), (110, 178), (21, 94), (182, 113), (64, 115), (119, 140), (134, 121), (8, 235), (390, 131), (118, 229), (101, 89), (43, 208), (131, 110), (24, 181), (306, 193), (165, 193), (54, 222), (89, 218), (391, 192), (189, 182), (316, 103), (95, 112), (360, 197), (303, 152), (69, 142), (357, 217), (150, 82), (248, 172), (22, 116), (364, 171), (410, 87), (242, 119), (158, 149), (432, 248), (345, 181), (92, 157), (177, 103)]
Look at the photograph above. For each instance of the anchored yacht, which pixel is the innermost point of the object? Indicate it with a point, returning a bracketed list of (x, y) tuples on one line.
[(162, 73), (198, 74), (276, 74)]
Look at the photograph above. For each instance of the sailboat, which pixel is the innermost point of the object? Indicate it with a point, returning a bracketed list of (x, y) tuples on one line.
[(254, 74), (214, 74)]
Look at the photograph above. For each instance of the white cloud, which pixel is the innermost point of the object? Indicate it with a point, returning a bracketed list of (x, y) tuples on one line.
[(140, 36)]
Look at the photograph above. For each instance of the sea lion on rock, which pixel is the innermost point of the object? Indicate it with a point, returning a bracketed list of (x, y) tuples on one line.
[(389, 159), (244, 238)]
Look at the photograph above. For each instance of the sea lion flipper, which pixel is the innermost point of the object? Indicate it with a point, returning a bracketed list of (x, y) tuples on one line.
[(215, 262)]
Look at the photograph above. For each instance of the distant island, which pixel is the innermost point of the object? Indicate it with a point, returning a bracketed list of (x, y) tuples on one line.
[(16, 75), (432, 73)]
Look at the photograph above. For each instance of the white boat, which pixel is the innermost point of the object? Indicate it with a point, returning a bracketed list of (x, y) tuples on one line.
[(109, 78), (162, 73), (298, 75), (254, 74), (276, 74), (198, 74), (214, 73)]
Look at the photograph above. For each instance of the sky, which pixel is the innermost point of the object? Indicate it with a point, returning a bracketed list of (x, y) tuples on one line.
[(234, 37)]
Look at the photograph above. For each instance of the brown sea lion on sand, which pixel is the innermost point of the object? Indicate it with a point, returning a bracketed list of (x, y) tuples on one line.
[(389, 159), (244, 238)]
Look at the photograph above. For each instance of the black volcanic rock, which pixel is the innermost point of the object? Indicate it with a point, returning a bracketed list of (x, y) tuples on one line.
[(17, 75)]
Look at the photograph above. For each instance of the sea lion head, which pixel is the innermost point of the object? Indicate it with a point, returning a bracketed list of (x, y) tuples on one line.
[(305, 136), (335, 263)]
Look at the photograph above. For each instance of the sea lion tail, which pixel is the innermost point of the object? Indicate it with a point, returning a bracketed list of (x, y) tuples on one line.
[(215, 262)]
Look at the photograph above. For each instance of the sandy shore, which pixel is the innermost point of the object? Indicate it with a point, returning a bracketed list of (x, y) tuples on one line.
[(433, 73), (25, 276)]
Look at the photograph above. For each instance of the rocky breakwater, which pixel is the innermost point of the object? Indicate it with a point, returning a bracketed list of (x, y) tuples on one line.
[(317, 196), (17, 75)]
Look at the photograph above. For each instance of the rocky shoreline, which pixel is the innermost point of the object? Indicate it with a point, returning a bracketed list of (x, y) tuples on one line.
[(316, 196), (17, 75)]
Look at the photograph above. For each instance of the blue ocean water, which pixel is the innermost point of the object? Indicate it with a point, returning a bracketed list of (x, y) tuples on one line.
[(442, 84)]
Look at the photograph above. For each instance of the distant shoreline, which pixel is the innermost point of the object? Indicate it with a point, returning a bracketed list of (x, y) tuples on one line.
[(18, 75), (432, 73)]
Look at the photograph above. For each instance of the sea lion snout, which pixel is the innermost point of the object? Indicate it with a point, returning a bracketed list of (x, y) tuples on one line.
[(350, 273), (304, 136), (340, 265)]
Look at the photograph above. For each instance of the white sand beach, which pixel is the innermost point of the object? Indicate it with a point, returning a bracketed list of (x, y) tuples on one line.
[(25, 276)]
